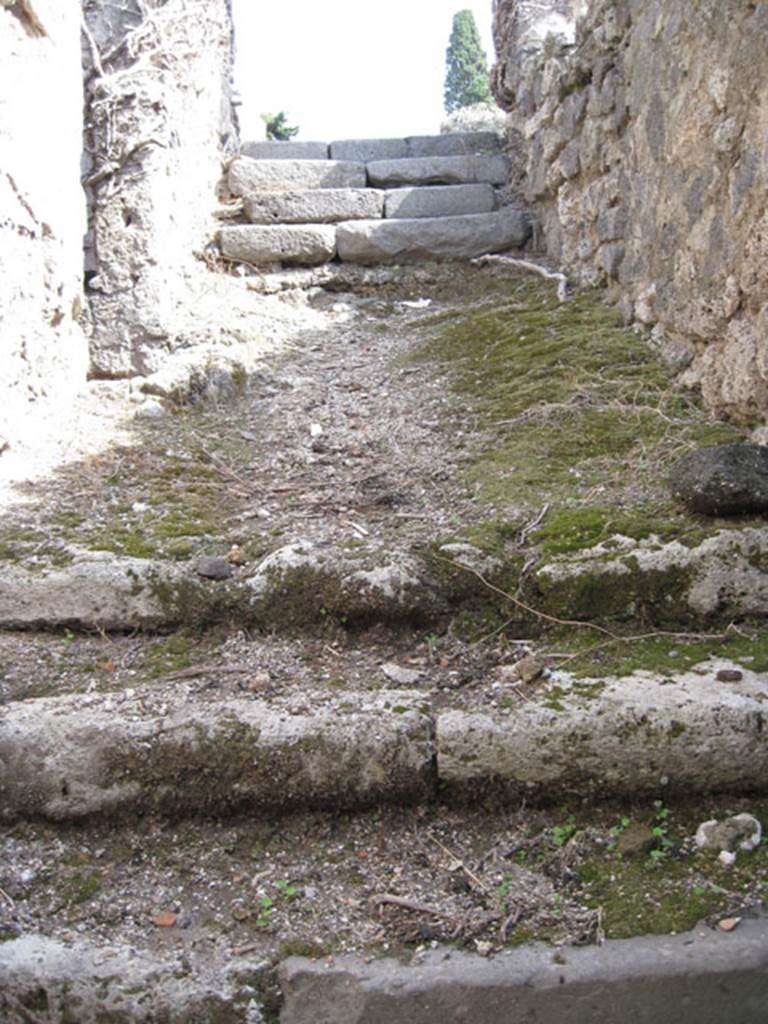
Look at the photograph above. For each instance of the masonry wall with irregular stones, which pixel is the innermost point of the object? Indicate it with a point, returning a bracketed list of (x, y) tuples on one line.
[(43, 346), (160, 121), (648, 166), (115, 116)]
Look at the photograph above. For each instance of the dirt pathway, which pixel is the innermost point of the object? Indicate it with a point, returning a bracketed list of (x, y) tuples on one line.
[(453, 406)]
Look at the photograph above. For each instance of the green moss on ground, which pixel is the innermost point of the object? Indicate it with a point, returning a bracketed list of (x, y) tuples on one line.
[(576, 405), (169, 496), (660, 886), (78, 888), (592, 655)]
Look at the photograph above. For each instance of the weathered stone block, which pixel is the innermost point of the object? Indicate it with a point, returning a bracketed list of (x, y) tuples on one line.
[(71, 757), (440, 170), (472, 235), (306, 244), (439, 201), (247, 175), (703, 974), (454, 144), (365, 150), (623, 735), (262, 150), (87, 981), (314, 206)]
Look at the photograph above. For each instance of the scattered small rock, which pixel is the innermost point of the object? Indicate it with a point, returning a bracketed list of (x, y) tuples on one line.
[(213, 568), (727, 479), (150, 409), (165, 919), (635, 840), (530, 668), (739, 832), (729, 675), (400, 675), (728, 924)]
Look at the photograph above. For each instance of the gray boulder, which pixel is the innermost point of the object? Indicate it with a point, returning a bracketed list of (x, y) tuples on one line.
[(728, 479), (369, 241), (314, 206)]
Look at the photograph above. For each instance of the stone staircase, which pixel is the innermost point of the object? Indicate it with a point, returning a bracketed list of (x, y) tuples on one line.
[(372, 201)]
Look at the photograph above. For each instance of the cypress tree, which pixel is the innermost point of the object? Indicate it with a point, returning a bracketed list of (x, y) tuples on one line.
[(466, 78)]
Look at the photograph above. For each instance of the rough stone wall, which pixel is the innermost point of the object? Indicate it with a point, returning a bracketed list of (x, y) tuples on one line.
[(159, 123), (43, 348), (648, 166)]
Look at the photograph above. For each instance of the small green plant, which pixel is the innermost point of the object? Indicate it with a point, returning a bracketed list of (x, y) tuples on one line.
[(616, 831), (266, 912), (502, 890), (562, 833), (286, 889), (267, 906), (660, 830)]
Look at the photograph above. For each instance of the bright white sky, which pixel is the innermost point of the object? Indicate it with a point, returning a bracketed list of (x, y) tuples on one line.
[(347, 68)]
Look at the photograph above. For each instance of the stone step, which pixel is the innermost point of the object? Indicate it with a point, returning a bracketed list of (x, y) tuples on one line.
[(85, 981), (304, 244), (721, 578), (438, 201), (247, 175), (439, 170), (333, 205), (73, 757), (380, 241), (173, 747), (453, 144), (314, 206), (699, 976), (263, 150)]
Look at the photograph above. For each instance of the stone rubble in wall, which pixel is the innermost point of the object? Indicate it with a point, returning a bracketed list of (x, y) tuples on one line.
[(646, 179)]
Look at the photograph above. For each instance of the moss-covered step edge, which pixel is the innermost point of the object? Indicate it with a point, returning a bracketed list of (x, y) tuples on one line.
[(74, 757), (641, 734), (721, 577), (46, 979), (79, 756)]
